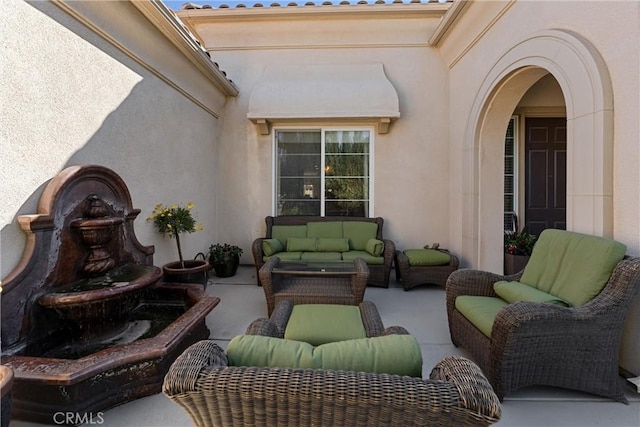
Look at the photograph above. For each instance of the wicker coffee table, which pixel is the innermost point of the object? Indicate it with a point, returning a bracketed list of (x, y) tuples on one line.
[(314, 282)]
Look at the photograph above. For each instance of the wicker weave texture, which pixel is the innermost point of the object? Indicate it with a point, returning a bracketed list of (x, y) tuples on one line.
[(544, 344), (412, 276), (323, 289), (218, 395), (378, 273)]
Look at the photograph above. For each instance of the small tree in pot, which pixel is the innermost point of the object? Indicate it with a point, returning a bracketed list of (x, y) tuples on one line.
[(172, 221)]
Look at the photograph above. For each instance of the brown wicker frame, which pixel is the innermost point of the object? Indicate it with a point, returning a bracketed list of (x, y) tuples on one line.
[(322, 289), (378, 273), (544, 344), (416, 275), (215, 394)]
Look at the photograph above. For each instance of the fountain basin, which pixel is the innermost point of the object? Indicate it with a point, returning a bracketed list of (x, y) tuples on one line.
[(96, 304), (90, 384)]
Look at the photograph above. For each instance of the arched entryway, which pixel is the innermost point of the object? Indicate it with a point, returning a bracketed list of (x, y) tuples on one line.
[(586, 87)]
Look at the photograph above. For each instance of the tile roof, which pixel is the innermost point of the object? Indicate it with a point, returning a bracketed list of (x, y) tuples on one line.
[(302, 3)]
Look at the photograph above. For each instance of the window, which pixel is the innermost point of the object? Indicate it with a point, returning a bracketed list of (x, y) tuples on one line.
[(510, 175), (323, 172)]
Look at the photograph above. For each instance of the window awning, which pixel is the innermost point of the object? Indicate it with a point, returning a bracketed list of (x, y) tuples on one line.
[(324, 92)]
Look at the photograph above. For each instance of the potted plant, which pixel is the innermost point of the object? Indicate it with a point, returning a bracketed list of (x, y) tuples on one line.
[(517, 250), (172, 221), (224, 259)]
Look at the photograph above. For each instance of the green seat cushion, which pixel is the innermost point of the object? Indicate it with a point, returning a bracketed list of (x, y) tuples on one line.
[(271, 246), (359, 233), (368, 258), (427, 257), (283, 232), (285, 256), (323, 323), (375, 247), (481, 311), (301, 244), (390, 354), (572, 266), (321, 256), (517, 291), (332, 244), (330, 229)]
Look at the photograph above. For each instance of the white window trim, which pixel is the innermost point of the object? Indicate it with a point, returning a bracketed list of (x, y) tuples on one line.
[(322, 129)]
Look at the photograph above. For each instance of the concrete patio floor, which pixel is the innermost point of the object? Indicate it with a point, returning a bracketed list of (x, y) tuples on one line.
[(420, 310)]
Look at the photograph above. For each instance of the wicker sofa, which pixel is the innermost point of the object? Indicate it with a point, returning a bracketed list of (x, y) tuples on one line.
[(215, 394), (548, 334), (356, 231)]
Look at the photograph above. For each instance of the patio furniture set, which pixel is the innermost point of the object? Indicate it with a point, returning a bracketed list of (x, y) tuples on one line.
[(324, 357)]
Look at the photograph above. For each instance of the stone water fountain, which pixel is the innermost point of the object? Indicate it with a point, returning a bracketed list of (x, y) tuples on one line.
[(87, 323)]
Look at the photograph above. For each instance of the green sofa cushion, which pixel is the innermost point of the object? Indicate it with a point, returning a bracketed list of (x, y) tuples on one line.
[(359, 233), (572, 266), (391, 354), (517, 291), (321, 256), (333, 244), (283, 232), (285, 256), (427, 257), (323, 323), (271, 246), (368, 258), (375, 247), (324, 229), (301, 244), (481, 311)]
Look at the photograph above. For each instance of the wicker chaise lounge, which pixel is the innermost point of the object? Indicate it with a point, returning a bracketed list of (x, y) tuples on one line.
[(574, 346), (214, 394)]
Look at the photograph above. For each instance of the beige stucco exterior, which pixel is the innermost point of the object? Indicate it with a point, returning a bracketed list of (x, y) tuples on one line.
[(102, 82)]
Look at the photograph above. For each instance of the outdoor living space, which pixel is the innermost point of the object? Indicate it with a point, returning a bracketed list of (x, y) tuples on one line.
[(452, 122), (422, 312)]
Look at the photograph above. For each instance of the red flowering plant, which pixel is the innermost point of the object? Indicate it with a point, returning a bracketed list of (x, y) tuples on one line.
[(519, 242)]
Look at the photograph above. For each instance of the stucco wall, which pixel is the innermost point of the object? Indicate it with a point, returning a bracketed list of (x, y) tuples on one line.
[(71, 97), (411, 161), (480, 40)]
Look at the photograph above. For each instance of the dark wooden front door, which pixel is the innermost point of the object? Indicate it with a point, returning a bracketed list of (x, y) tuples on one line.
[(545, 174)]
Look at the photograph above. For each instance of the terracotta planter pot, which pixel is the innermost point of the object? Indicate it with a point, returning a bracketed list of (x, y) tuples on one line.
[(514, 263), (194, 271)]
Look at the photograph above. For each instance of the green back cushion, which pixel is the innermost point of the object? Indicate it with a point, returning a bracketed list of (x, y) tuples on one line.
[(359, 233), (333, 244), (391, 354), (271, 246), (282, 232), (427, 257), (324, 229), (517, 291), (375, 247), (323, 323), (572, 266), (301, 244), (481, 311)]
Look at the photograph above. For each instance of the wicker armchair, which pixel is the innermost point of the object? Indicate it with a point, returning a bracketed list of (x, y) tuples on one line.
[(214, 394), (543, 344)]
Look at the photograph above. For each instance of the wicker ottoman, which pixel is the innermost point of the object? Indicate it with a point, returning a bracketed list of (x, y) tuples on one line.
[(413, 267), (276, 325)]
